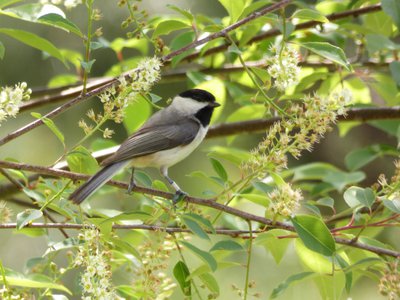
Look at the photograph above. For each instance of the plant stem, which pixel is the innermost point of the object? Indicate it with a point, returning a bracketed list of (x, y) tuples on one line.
[(249, 251), (89, 5)]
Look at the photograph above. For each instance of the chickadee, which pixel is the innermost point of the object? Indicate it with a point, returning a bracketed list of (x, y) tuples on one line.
[(168, 137)]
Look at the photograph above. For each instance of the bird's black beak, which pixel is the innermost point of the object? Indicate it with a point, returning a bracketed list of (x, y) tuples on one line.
[(214, 104)]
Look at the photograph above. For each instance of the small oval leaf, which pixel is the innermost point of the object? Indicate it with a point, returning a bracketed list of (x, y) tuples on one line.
[(314, 234)]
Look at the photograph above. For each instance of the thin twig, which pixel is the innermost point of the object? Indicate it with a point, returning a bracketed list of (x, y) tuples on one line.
[(114, 82), (354, 114), (230, 232), (199, 201), (228, 29), (20, 187), (276, 32), (52, 96)]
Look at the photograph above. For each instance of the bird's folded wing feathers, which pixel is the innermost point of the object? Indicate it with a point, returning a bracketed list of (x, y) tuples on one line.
[(154, 139)]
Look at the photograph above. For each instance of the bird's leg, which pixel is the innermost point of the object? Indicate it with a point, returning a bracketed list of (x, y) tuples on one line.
[(179, 195), (132, 182)]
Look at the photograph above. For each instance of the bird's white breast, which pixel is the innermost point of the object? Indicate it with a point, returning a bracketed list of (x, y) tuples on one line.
[(167, 158)]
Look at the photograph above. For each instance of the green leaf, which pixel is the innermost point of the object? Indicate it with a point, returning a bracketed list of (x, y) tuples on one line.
[(256, 198), (328, 51), (179, 42), (248, 112), (379, 42), (309, 14), (326, 201), (124, 247), (119, 43), (63, 80), (392, 8), (184, 12), (2, 50), (393, 205), (125, 290), (356, 196), (330, 287), (313, 171), (348, 275), (395, 71), (68, 243), (210, 282), (234, 8), (34, 41), (136, 114), (96, 45), (195, 228), (87, 65), (168, 26), (360, 157), (288, 282), (181, 274), (27, 282), (379, 23), (201, 220), (389, 126), (51, 125), (251, 7), (314, 234), (4, 3), (81, 160), (34, 194), (271, 242), (203, 255), (58, 21), (227, 245), (219, 169), (27, 216), (234, 155), (32, 232), (340, 179)]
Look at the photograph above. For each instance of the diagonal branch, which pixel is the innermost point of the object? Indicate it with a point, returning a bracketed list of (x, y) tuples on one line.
[(230, 232), (199, 201), (114, 82), (363, 114), (275, 32), (55, 95)]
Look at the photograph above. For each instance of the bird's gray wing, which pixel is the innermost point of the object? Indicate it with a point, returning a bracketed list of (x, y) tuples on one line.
[(155, 138)]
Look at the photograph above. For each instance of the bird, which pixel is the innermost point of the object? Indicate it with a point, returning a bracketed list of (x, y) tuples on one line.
[(166, 138)]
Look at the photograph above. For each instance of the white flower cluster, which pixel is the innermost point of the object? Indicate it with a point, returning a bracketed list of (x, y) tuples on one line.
[(284, 67), (340, 99), (5, 213), (96, 279), (69, 4), (11, 98), (285, 200), (146, 74), (6, 293)]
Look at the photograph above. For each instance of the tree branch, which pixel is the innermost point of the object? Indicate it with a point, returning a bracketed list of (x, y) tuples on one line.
[(199, 201), (114, 82), (230, 28), (230, 232), (353, 114), (275, 32), (51, 96)]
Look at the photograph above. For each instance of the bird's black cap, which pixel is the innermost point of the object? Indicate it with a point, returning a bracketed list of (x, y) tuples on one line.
[(198, 95)]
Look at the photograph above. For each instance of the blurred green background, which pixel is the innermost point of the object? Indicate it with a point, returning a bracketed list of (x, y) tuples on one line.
[(40, 147)]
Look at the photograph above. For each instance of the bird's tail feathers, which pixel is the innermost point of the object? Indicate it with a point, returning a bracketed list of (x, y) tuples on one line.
[(96, 182)]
